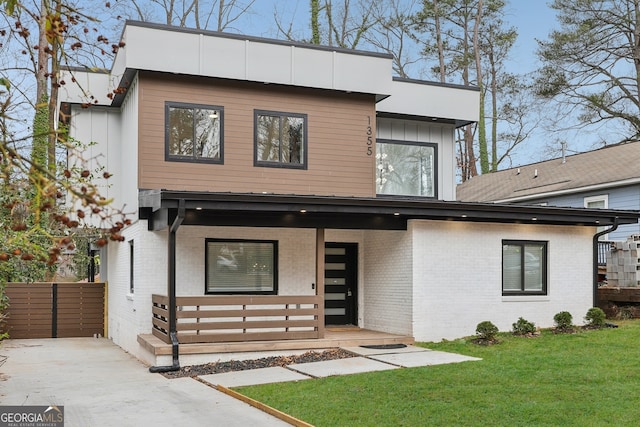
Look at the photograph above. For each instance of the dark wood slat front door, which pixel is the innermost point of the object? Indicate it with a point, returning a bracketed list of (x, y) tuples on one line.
[(341, 284)]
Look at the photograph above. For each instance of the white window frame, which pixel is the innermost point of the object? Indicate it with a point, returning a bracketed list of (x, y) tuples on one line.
[(598, 198)]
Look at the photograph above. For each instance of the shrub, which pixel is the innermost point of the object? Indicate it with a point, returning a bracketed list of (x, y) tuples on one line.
[(595, 317), (523, 327), (486, 330), (564, 321)]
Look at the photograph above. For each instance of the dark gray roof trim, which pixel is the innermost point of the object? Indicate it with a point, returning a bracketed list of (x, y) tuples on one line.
[(365, 213), (431, 83), (439, 120)]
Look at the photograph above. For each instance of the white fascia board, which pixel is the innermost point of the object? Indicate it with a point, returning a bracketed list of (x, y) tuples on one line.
[(411, 97), (246, 58), (87, 87)]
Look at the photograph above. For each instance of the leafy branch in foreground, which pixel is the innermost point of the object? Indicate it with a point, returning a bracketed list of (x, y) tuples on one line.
[(43, 205)]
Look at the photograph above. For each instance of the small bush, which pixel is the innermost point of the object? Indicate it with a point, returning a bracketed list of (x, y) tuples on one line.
[(523, 327), (595, 317), (564, 321), (486, 331)]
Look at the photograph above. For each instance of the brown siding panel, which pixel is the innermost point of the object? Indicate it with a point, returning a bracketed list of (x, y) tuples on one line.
[(337, 162)]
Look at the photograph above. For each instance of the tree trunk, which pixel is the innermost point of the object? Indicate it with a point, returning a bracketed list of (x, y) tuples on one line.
[(443, 75), (494, 114), (315, 24), (482, 131), (42, 64)]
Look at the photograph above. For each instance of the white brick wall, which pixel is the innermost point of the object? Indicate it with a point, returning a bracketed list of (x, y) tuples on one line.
[(130, 315), (457, 274), (437, 280), (387, 281), (296, 256)]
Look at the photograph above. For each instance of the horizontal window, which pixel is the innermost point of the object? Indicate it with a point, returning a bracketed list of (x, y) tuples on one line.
[(524, 267), (241, 267), (406, 168), (194, 133), (280, 139)]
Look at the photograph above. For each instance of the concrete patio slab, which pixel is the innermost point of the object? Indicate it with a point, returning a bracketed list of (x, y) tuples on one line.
[(366, 351), (424, 358), (353, 365), (254, 377)]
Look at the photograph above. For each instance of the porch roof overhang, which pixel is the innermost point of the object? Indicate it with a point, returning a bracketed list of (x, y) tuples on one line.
[(160, 207)]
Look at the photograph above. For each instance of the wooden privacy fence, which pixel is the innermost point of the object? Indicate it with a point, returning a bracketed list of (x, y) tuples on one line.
[(226, 318), (55, 310)]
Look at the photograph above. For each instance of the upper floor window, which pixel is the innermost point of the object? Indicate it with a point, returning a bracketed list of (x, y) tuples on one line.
[(524, 267), (194, 133), (598, 202), (280, 139), (406, 168)]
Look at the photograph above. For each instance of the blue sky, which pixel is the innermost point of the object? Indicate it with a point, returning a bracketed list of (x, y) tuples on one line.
[(533, 19)]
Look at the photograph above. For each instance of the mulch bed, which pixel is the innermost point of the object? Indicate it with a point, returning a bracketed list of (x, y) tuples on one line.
[(266, 362)]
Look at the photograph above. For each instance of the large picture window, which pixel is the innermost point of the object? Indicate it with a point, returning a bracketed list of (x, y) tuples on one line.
[(241, 267), (406, 168), (524, 267), (280, 139), (194, 133)]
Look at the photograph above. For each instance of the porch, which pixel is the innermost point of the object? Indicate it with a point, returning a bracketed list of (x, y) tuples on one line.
[(238, 324), (333, 338)]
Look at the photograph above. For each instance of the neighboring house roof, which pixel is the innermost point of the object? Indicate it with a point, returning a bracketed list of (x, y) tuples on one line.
[(611, 166)]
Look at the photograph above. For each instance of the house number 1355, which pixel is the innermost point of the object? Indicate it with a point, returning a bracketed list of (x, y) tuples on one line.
[(369, 137)]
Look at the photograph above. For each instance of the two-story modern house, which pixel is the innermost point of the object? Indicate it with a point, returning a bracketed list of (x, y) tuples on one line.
[(286, 192)]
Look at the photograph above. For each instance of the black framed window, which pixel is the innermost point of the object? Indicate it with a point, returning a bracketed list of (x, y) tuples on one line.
[(131, 268), (524, 267), (194, 133), (241, 266), (280, 139), (406, 168)]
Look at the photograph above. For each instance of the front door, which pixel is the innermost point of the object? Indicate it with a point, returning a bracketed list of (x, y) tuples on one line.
[(340, 283)]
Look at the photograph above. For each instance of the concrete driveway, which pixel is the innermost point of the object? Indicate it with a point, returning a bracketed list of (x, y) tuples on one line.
[(101, 385)]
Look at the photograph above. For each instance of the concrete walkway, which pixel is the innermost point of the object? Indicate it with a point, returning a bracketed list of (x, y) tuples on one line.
[(101, 385), (368, 360)]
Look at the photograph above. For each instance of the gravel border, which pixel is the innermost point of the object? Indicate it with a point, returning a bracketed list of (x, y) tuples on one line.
[(266, 362)]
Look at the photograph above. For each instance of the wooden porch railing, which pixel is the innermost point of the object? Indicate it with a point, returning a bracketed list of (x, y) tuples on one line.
[(205, 319)]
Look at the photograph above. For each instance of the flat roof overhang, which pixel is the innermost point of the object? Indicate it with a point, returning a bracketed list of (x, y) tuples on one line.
[(160, 207)]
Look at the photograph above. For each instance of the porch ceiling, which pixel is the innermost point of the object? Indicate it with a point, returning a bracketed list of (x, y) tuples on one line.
[(384, 213)]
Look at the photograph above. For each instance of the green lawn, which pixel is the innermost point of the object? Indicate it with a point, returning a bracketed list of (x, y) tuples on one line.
[(591, 378)]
